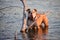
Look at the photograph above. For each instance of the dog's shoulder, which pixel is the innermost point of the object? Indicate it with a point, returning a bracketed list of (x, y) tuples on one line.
[(38, 14)]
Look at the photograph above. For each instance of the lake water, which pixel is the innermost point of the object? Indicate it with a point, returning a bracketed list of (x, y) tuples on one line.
[(11, 13)]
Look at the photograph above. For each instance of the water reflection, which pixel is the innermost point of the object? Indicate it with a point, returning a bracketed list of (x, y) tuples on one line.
[(34, 35), (11, 19)]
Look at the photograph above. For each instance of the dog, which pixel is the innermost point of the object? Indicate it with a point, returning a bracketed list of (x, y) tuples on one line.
[(40, 18), (30, 21)]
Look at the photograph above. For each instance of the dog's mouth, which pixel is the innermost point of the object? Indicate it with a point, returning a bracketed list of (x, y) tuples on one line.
[(33, 15)]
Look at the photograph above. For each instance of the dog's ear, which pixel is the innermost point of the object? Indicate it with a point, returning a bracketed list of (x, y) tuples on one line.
[(35, 10), (28, 10)]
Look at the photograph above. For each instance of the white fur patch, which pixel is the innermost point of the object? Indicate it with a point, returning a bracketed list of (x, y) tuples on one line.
[(29, 22)]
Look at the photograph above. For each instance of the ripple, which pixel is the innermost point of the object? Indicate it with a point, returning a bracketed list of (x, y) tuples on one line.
[(11, 18)]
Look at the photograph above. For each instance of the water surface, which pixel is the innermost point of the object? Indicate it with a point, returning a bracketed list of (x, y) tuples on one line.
[(11, 18)]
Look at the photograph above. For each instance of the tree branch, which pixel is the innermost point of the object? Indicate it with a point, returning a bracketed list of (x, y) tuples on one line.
[(24, 16)]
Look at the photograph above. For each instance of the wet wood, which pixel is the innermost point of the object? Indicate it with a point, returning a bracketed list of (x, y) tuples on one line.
[(24, 16)]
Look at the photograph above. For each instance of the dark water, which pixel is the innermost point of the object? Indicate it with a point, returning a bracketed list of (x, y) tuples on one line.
[(11, 18)]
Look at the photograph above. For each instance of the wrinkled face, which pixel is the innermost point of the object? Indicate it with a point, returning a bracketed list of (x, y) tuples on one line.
[(34, 13)]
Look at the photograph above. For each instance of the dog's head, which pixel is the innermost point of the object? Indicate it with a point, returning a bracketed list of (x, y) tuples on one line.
[(34, 12), (29, 14)]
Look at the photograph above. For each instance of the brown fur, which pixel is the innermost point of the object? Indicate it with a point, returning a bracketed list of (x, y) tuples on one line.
[(40, 18)]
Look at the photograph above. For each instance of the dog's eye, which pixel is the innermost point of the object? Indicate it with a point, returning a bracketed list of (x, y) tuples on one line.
[(29, 12)]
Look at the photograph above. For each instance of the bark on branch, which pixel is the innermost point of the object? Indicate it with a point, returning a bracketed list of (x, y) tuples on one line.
[(24, 15)]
